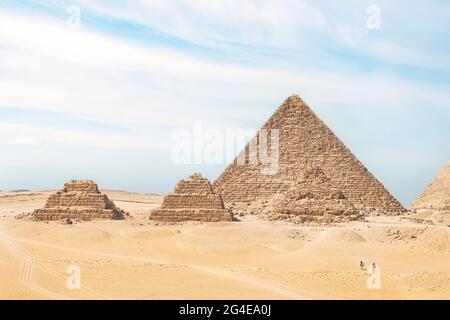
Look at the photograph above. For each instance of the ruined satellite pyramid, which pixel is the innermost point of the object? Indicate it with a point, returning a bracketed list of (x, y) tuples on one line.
[(315, 198), (304, 142), (192, 200), (437, 194), (79, 199)]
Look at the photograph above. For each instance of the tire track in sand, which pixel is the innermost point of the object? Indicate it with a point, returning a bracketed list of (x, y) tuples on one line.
[(256, 282), (26, 275)]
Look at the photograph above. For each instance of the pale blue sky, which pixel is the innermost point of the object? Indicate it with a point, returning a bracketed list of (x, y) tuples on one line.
[(102, 102)]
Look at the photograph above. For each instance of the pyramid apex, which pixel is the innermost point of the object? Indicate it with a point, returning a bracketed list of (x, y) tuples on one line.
[(80, 181), (294, 98), (295, 101)]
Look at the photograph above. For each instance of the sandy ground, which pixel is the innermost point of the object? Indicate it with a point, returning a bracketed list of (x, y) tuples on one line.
[(250, 259)]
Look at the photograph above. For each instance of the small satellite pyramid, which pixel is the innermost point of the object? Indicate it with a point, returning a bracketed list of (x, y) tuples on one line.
[(315, 198), (192, 200), (304, 141), (80, 199), (437, 194)]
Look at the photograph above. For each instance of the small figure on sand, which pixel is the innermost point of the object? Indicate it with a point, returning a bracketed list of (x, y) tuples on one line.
[(374, 267), (361, 265)]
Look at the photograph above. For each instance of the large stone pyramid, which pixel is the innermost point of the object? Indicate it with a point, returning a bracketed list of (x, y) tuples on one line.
[(304, 142), (79, 199), (437, 194), (314, 197), (192, 200)]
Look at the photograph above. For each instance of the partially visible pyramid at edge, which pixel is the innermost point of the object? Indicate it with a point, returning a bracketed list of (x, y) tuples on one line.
[(304, 142), (437, 194)]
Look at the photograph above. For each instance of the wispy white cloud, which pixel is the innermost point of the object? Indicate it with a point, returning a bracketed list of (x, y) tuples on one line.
[(151, 89), (298, 24), (215, 22), (90, 74), (16, 134)]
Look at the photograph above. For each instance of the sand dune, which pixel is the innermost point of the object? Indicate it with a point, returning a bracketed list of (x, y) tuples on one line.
[(251, 259), (343, 234)]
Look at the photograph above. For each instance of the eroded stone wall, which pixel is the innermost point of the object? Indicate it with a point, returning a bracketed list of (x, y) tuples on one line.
[(193, 199), (79, 199)]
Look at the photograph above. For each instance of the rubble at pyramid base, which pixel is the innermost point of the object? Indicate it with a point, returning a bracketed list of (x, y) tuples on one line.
[(312, 212), (430, 211), (320, 219), (318, 208)]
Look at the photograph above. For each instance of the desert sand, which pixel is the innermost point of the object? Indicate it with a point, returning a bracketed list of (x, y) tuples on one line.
[(252, 258)]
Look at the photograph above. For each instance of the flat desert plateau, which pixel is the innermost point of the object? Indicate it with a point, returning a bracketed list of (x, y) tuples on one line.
[(250, 259)]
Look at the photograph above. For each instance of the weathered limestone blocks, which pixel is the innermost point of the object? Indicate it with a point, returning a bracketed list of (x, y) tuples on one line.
[(304, 142), (73, 213), (204, 201), (79, 199), (436, 195), (84, 186), (192, 200), (315, 198), (180, 215)]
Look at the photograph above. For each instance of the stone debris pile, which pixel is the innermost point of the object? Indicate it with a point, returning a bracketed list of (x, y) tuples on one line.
[(315, 198)]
